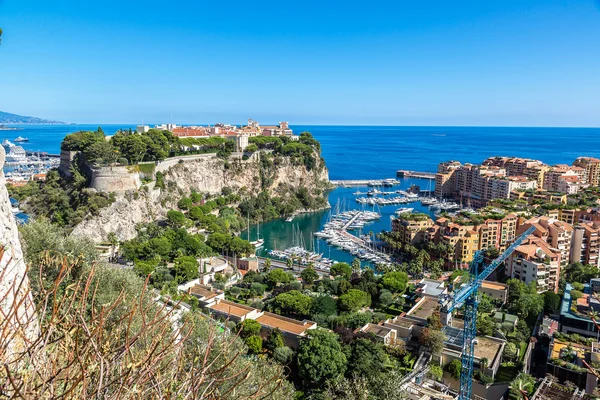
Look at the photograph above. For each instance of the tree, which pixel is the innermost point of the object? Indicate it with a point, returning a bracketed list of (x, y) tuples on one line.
[(320, 357), (248, 327), (254, 344), (275, 340), (283, 355), (185, 203), (453, 368), (385, 297), (341, 269), (551, 302), (433, 340), (524, 300), (522, 386), (292, 303), (578, 272), (510, 351), (101, 152), (435, 372), (576, 294), (356, 265), (289, 262), (186, 268), (395, 281), (368, 358), (353, 300), (309, 276), (485, 325), (325, 305), (483, 363), (277, 276), (175, 218), (578, 286), (267, 265)]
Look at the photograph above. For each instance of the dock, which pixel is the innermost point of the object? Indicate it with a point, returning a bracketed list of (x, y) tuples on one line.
[(403, 173), (358, 182)]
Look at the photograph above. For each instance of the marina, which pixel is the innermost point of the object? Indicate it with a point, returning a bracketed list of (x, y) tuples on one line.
[(23, 166)]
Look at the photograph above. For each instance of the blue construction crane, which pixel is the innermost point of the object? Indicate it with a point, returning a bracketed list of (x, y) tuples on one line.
[(467, 296)]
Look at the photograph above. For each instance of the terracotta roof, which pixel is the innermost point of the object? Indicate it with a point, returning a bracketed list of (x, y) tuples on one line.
[(202, 291), (231, 308), (494, 285), (284, 324)]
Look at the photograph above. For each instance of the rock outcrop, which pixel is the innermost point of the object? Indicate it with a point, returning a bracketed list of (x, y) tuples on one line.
[(203, 175), (16, 304)]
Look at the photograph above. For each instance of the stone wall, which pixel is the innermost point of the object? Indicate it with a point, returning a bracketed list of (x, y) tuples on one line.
[(66, 158), (115, 179)]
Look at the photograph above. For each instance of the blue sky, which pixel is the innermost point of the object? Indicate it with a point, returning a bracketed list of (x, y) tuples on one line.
[(421, 62)]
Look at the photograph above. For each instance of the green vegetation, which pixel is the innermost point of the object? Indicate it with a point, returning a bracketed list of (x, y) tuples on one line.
[(94, 315), (64, 201), (300, 152)]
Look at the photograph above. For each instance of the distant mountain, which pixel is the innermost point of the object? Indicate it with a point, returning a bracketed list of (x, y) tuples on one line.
[(8, 118)]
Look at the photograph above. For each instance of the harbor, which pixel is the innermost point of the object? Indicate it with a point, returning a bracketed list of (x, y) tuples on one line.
[(359, 237), (21, 166)]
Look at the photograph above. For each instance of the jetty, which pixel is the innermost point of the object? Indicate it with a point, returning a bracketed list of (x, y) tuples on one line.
[(365, 182), (403, 173)]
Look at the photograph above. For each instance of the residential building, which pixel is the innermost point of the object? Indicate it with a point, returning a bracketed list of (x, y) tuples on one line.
[(431, 288), (142, 128), (291, 329), (411, 228), (535, 261), (445, 180), (574, 314), (591, 167), (385, 334), (233, 311), (564, 179), (496, 290), (557, 234), (585, 246)]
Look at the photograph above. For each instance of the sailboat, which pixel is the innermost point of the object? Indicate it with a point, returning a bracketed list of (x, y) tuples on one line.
[(258, 242)]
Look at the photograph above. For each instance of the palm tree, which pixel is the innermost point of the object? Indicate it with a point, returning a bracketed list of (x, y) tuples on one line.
[(289, 262), (483, 364), (114, 241), (267, 265), (356, 265), (521, 386)]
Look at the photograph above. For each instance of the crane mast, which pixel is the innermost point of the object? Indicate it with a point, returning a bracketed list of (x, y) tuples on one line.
[(467, 296)]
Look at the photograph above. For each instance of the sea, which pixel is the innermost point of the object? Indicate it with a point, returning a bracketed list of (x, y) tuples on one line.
[(377, 152)]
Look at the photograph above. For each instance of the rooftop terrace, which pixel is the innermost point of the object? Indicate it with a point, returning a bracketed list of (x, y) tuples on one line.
[(231, 308), (424, 308)]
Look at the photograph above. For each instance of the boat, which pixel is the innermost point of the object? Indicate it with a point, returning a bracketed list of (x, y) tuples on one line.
[(290, 218), (258, 242), (404, 210), (13, 152), (21, 139)]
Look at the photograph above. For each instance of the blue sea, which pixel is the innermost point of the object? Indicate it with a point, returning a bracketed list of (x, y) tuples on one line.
[(367, 152)]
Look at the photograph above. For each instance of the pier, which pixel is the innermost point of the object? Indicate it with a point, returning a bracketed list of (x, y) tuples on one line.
[(356, 182), (403, 173)]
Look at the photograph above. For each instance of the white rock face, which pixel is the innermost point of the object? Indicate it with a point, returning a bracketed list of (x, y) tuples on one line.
[(14, 284), (208, 175)]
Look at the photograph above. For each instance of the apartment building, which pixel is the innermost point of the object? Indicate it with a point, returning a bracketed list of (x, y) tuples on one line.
[(445, 180), (564, 179), (591, 167), (556, 233), (498, 233), (585, 246), (412, 228), (535, 261)]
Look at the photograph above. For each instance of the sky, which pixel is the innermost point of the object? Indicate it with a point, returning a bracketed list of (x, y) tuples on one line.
[(420, 62)]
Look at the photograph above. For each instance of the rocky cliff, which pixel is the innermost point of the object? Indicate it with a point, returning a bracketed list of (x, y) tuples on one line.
[(203, 175), (18, 311)]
